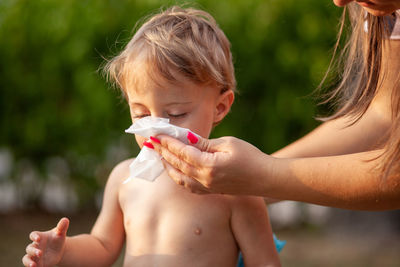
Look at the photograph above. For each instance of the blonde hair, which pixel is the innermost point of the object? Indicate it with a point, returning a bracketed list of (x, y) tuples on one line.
[(173, 43), (362, 71)]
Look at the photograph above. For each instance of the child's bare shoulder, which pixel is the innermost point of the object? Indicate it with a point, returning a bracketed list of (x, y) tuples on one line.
[(120, 172)]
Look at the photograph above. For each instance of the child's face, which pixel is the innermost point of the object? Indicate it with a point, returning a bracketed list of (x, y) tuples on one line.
[(186, 104)]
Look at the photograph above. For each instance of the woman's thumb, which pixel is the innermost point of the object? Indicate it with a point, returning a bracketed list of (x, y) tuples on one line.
[(62, 227)]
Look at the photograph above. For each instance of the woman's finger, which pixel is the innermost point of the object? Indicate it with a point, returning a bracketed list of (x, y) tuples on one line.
[(181, 179), (180, 161), (188, 153), (191, 161), (199, 142)]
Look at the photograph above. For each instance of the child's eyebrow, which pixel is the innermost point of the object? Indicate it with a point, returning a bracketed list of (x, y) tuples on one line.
[(131, 103), (179, 103)]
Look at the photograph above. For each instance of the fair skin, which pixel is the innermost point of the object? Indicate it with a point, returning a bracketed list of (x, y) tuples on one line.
[(375, 7), (161, 223), (334, 165)]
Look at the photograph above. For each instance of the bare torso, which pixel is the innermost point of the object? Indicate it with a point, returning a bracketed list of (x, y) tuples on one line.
[(165, 225)]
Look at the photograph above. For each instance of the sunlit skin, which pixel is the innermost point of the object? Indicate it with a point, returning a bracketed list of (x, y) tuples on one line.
[(374, 7), (161, 223), (334, 165), (186, 105)]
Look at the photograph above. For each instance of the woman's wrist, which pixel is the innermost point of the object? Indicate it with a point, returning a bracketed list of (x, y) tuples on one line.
[(267, 177), (277, 178)]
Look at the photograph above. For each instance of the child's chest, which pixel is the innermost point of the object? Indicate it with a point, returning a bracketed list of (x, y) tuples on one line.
[(163, 209)]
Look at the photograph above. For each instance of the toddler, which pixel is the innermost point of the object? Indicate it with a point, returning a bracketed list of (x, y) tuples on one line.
[(178, 65)]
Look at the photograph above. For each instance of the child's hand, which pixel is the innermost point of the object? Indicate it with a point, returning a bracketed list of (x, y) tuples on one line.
[(47, 247)]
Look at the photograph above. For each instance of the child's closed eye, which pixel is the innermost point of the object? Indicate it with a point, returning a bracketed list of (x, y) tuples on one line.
[(139, 116), (179, 115)]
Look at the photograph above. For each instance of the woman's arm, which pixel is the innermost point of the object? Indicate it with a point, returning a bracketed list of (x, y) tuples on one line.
[(350, 181), (230, 165), (338, 137), (252, 230)]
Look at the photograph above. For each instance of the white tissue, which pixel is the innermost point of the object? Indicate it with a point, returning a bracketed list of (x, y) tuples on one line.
[(148, 164)]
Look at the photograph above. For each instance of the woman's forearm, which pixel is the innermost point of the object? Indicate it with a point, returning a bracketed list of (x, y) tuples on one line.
[(348, 181), (351, 181)]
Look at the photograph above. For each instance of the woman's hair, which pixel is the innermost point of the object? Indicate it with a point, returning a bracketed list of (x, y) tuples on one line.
[(174, 43), (362, 72)]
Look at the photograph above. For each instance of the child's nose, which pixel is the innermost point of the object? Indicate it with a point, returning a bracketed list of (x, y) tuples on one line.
[(159, 114)]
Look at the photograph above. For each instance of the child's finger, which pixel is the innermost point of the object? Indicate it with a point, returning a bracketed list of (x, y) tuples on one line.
[(31, 250), (34, 236), (62, 227), (28, 262)]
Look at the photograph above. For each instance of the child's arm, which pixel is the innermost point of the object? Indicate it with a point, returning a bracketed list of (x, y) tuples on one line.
[(251, 227), (100, 248)]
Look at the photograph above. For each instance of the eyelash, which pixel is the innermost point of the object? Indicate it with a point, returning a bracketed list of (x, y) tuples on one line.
[(140, 116), (177, 115)]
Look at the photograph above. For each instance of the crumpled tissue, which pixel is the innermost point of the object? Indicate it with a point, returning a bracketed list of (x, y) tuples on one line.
[(148, 164)]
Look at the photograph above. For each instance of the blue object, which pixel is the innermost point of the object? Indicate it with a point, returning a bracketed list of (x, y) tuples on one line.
[(279, 244)]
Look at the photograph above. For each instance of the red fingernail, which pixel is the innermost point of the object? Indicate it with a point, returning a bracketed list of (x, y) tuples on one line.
[(192, 138), (155, 139), (149, 145)]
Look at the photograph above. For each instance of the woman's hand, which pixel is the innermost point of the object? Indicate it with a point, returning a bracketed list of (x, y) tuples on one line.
[(224, 165)]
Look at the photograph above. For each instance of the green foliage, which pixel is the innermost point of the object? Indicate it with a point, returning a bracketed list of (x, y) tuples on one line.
[(53, 101)]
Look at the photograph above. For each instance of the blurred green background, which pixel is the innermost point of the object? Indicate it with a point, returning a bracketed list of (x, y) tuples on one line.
[(62, 126), (56, 109)]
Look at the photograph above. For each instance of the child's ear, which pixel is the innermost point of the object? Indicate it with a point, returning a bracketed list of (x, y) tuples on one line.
[(223, 105)]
